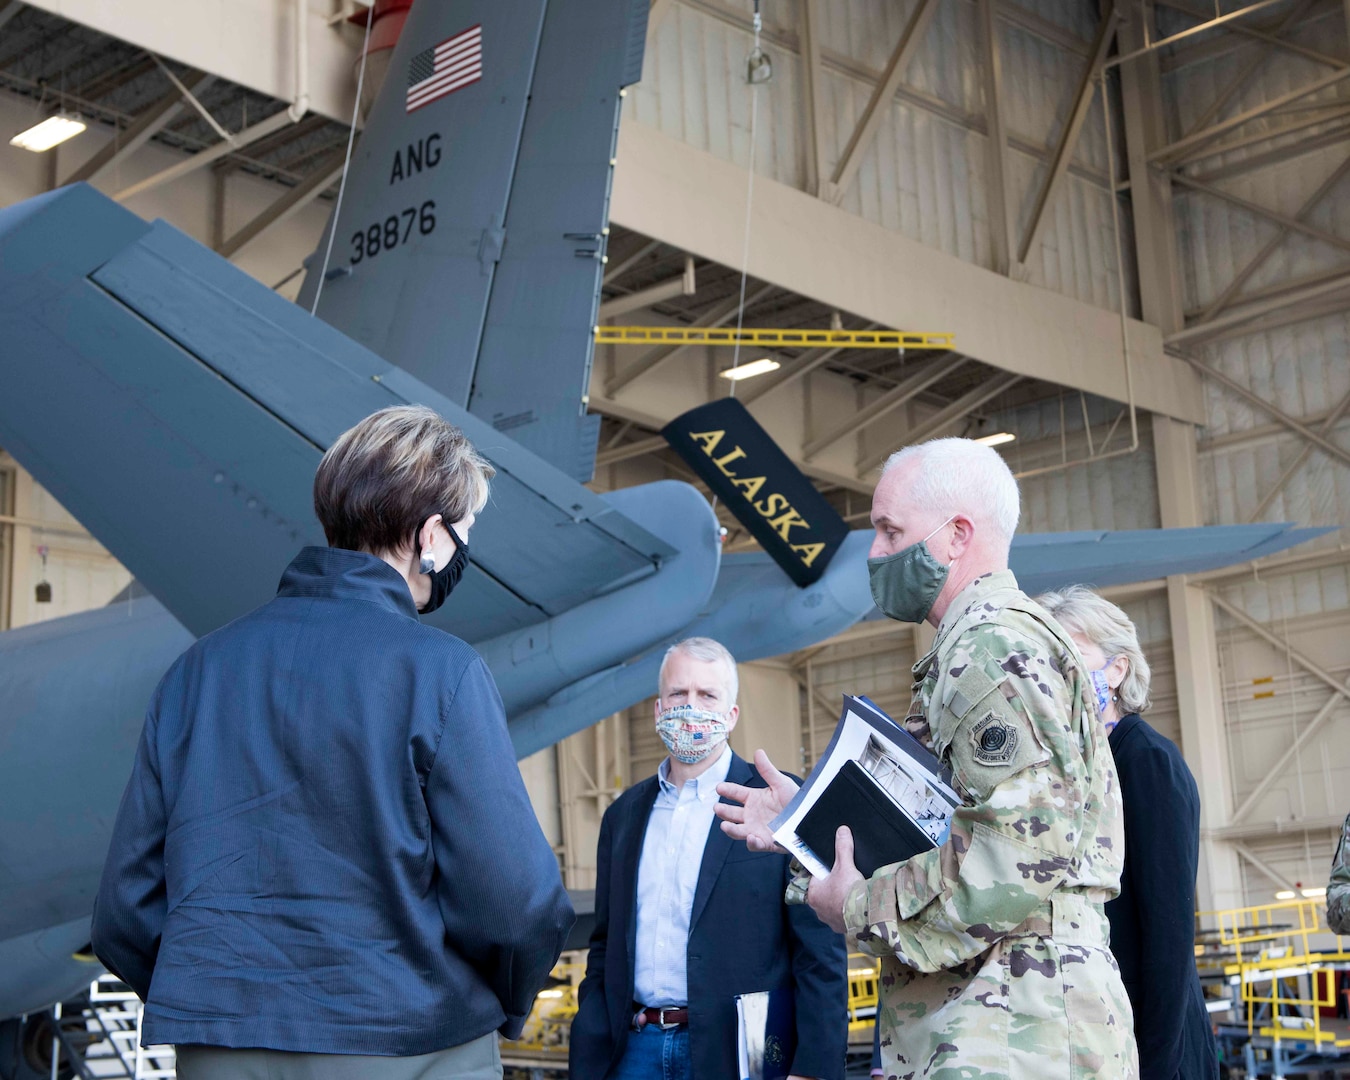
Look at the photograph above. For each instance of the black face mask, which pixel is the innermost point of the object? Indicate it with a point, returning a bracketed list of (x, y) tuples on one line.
[(444, 580)]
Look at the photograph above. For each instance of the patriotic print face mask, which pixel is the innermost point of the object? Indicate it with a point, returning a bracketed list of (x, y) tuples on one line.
[(691, 734)]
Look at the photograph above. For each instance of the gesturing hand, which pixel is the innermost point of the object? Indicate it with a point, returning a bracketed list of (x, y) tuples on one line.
[(759, 806), (827, 895)]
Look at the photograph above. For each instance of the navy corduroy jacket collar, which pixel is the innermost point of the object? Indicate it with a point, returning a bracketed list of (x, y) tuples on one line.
[(347, 575)]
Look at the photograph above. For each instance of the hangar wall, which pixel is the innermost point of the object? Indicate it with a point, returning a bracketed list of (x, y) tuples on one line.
[(1286, 729), (926, 173)]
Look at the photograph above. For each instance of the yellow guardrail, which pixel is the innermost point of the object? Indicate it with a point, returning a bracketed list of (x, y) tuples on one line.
[(864, 985), (1284, 957), (550, 1021), (788, 339)]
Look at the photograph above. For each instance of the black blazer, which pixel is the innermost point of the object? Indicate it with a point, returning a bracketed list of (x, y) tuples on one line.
[(1153, 919), (742, 938)]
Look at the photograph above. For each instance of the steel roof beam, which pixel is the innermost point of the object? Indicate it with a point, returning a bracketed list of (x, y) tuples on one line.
[(796, 368), (293, 201), (998, 196), (684, 285), (1244, 275), (1329, 136), (1293, 224), (211, 154), (1327, 428), (814, 77), (8, 9), (1248, 395), (1270, 37), (615, 272), (1073, 126), (1236, 83), (719, 315), (878, 106), (145, 127), (962, 406), (886, 404), (1178, 151)]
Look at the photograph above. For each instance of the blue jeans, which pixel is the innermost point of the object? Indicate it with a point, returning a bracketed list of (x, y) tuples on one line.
[(653, 1054)]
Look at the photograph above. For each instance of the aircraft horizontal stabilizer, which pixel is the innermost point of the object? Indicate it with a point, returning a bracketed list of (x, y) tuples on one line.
[(179, 409), (1052, 560)]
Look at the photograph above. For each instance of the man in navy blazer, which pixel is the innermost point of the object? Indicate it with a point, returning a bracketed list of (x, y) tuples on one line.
[(686, 919)]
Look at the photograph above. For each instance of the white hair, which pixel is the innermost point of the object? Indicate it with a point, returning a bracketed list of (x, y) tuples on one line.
[(708, 650), (960, 476), (1084, 613)]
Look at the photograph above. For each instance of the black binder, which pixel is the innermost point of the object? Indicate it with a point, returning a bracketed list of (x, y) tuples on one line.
[(882, 832)]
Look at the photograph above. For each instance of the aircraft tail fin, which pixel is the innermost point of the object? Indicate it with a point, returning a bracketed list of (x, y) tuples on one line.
[(472, 234)]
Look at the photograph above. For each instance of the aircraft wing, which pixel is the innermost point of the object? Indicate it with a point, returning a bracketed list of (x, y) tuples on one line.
[(1044, 561), (179, 409)]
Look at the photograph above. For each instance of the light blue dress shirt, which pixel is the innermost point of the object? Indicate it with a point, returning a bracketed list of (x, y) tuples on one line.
[(672, 852)]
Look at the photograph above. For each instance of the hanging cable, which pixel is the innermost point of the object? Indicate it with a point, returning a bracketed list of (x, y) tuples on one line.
[(346, 164), (758, 70)]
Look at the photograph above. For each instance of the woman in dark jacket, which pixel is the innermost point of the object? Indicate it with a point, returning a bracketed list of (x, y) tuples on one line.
[(325, 864), (1153, 919)]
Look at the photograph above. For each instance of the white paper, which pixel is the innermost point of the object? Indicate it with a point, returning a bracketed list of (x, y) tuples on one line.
[(889, 755)]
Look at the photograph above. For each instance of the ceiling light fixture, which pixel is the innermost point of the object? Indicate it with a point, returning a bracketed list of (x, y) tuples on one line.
[(1285, 894), (1314, 894), (51, 132), (761, 366), (997, 439)]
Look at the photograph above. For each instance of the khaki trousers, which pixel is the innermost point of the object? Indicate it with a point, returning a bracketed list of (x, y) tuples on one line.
[(477, 1060)]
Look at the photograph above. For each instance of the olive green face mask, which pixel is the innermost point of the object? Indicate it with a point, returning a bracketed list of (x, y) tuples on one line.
[(906, 585)]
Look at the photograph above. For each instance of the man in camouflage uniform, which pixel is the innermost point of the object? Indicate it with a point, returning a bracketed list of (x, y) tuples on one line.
[(1338, 889), (994, 947)]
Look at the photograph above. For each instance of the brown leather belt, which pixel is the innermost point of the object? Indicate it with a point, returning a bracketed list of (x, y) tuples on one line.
[(669, 1017)]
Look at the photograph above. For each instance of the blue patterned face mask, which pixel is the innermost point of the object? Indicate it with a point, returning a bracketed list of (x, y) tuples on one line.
[(1102, 687), (691, 734)]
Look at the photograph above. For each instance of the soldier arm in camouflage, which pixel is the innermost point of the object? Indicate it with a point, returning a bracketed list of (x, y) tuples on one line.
[(1002, 715), (1338, 889)]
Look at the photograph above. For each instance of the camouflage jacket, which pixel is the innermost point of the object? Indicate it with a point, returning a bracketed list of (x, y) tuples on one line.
[(1338, 889), (994, 946)]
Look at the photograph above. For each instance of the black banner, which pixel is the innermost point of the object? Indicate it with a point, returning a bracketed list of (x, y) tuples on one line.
[(745, 468)]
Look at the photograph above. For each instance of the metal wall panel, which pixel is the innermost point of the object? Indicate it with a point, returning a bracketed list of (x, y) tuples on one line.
[(924, 175), (1302, 369), (1113, 493)]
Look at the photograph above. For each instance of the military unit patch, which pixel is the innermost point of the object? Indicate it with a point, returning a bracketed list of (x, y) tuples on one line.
[(995, 742)]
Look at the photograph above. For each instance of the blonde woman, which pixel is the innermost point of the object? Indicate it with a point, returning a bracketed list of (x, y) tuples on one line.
[(326, 866), (1153, 919)]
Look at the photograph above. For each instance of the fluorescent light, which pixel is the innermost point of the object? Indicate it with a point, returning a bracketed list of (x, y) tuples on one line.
[(1314, 894), (51, 132), (1285, 894), (748, 371), (997, 439), (549, 994)]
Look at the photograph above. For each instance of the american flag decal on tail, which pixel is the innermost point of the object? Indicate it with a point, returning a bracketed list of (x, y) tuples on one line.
[(454, 63)]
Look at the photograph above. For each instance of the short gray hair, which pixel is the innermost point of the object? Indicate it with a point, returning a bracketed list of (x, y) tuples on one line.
[(961, 476), (706, 649), (1085, 613)]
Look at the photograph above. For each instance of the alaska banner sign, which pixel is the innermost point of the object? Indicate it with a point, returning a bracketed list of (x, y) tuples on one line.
[(745, 468)]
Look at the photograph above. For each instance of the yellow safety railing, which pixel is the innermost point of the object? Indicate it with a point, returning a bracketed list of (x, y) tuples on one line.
[(864, 984), (1248, 930), (550, 1021), (788, 339), (1275, 948)]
